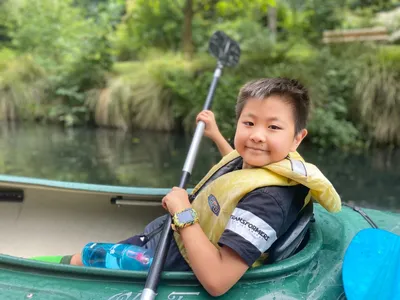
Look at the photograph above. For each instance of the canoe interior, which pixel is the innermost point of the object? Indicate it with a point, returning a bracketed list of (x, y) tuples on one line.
[(59, 221)]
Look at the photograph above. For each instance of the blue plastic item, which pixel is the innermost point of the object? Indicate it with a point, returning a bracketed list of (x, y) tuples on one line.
[(371, 266), (117, 256)]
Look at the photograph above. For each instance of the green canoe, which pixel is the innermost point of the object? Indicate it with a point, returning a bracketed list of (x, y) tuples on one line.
[(42, 217)]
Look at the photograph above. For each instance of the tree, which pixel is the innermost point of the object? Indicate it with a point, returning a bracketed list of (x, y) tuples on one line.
[(182, 24), (375, 5), (187, 38), (272, 22)]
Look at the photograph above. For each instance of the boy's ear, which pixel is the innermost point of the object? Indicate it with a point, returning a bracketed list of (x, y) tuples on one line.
[(297, 139)]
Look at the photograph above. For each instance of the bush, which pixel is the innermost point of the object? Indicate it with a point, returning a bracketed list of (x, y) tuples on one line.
[(6, 55), (23, 87), (332, 124), (331, 90), (378, 96), (72, 48), (138, 96)]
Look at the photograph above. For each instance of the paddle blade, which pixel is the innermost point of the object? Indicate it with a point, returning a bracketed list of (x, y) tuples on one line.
[(226, 50), (371, 266)]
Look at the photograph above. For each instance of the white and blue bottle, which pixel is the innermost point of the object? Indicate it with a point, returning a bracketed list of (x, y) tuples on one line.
[(117, 256)]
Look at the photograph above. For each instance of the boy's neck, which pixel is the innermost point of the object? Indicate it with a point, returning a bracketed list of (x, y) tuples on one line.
[(245, 165)]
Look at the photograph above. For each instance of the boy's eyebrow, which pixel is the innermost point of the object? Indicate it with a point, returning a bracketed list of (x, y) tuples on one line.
[(273, 119), (268, 119)]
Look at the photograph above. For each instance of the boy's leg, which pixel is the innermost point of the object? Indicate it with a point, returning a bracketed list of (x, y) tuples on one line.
[(156, 224), (133, 240), (76, 259)]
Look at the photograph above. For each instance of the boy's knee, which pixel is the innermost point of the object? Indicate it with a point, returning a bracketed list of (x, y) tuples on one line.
[(76, 260)]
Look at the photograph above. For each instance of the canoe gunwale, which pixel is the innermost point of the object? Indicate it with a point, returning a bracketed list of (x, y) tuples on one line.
[(146, 192)]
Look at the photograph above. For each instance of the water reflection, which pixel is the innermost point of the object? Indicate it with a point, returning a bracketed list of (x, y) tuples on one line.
[(155, 160), (370, 179), (99, 155)]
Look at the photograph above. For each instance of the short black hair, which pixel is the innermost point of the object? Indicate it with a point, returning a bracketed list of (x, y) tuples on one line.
[(291, 90)]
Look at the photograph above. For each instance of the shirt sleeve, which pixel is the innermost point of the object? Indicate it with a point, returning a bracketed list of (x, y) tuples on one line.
[(254, 225)]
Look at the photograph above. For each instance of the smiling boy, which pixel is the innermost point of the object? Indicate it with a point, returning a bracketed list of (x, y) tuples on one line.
[(251, 197)]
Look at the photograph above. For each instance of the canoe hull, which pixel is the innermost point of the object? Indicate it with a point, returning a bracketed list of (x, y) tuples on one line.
[(86, 214)]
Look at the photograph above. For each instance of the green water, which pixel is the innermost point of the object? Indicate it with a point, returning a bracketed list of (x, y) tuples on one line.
[(152, 159)]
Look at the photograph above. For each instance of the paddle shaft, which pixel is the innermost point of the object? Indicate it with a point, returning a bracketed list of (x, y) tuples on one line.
[(153, 278)]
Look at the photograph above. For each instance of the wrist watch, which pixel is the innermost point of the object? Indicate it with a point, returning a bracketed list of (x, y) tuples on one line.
[(184, 219)]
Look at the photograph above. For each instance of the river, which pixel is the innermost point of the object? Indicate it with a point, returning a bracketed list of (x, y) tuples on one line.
[(154, 159)]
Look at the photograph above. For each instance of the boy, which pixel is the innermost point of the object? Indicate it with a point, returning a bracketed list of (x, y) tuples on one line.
[(250, 198)]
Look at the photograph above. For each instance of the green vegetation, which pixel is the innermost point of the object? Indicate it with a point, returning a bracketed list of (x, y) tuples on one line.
[(139, 64), (23, 86), (377, 92)]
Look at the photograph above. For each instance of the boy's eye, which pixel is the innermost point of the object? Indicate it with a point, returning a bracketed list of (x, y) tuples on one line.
[(248, 123), (274, 127)]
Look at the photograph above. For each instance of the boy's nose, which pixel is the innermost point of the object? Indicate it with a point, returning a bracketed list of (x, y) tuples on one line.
[(258, 137)]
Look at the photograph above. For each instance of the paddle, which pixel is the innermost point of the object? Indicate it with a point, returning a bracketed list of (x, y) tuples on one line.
[(371, 266), (227, 53)]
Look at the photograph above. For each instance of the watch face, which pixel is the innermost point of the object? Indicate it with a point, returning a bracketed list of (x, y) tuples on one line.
[(185, 217)]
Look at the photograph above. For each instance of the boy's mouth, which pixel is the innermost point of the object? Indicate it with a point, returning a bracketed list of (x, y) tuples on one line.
[(255, 149)]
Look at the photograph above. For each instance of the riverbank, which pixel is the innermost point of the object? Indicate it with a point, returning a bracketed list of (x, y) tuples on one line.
[(165, 92)]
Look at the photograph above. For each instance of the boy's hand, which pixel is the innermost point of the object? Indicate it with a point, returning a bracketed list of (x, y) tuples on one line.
[(211, 130), (176, 200)]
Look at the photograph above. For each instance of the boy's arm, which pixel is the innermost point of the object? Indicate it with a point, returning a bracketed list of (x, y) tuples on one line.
[(222, 144), (240, 246), (217, 270), (211, 131)]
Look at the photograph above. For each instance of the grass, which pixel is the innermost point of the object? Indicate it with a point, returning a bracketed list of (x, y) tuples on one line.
[(136, 96), (378, 95), (5, 56), (22, 88)]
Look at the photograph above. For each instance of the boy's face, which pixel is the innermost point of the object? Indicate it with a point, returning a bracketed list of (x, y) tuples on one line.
[(265, 132)]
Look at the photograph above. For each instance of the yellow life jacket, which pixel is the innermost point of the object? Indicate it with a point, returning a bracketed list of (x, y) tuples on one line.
[(215, 203)]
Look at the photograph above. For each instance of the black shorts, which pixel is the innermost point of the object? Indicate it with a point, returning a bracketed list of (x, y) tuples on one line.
[(174, 260), (151, 244)]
